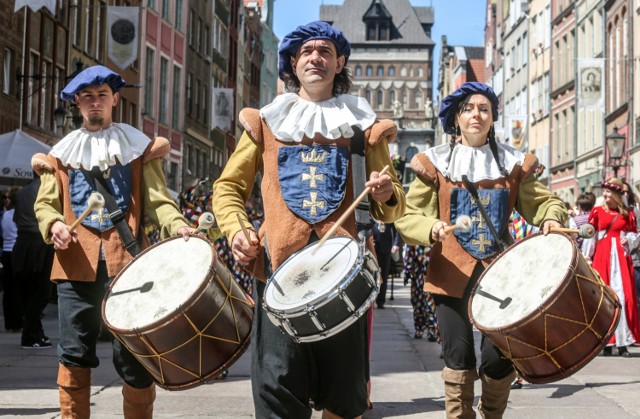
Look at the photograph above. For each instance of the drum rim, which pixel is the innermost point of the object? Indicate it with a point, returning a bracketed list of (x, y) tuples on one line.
[(171, 316), (323, 299), (550, 300)]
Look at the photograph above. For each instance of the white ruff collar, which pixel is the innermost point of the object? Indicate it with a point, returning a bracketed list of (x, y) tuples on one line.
[(290, 118), (88, 149), (475, 162)]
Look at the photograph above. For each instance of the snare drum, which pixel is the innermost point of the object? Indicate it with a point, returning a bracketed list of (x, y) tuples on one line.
[(312, 296), (180, 312), (544, 307)]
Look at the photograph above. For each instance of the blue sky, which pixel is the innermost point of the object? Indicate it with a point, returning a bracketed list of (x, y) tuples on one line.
[(461, 20)]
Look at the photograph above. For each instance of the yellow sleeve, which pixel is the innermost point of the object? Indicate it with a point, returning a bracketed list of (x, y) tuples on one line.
[(377, 156), (537, 204), (157, 202), (232, 190), (48, 207), (421, 213)]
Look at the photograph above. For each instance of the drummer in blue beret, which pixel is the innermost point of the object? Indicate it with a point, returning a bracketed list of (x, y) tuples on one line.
[(504, 179), (129, 166), (301, 143)]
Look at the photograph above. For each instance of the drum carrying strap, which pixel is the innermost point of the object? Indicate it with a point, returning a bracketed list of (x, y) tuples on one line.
[(115, 213), (359, 175)]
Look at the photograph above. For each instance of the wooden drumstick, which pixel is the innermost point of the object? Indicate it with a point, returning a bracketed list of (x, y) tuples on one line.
[(205, 222), (95, 202), (463, 223), (346, 214), (586, 231), (245, 230)]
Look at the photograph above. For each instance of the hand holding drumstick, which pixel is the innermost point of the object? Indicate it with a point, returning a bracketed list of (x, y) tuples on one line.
[(441, 230), (245, 244), (62, 235)]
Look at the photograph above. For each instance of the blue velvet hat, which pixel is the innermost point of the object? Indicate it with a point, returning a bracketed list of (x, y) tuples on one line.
[(450, 104), (92, 76), (292, 42)]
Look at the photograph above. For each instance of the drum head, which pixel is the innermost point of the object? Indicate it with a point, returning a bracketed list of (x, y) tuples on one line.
[(301, 279), (529, 273), (156, 283)]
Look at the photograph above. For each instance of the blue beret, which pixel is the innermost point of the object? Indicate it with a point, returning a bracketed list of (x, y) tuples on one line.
[(92, 76), (292, 42), (451, 103)]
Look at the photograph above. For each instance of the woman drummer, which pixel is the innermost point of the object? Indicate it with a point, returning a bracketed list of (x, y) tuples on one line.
[(504, 178)]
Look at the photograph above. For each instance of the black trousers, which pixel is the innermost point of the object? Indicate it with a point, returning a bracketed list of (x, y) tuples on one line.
[(456, 332), (12, 294), (286, 376), (79, 310)]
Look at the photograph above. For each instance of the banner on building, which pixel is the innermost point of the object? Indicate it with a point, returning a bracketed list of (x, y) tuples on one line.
[(517, 132), (122, 28), (590, 83), (36, 5), (221, 108)]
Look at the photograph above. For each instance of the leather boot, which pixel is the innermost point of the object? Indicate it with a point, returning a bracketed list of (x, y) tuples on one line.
[(458, 391), (75, 391), (138, 402), (495, 395)]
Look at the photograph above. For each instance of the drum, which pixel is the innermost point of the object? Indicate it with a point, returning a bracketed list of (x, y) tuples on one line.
[(179, 310), (544, 307), (312, 296)]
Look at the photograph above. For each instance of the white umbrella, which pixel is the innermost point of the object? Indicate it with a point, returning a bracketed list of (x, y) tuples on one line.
[(16, 150)]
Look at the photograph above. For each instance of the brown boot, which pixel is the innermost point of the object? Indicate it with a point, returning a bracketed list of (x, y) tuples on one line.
[(495, 395), (458, 391), (138, 402), (75, 391)]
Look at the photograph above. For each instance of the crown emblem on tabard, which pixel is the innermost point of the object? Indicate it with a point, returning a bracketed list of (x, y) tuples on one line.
[(314, 157)]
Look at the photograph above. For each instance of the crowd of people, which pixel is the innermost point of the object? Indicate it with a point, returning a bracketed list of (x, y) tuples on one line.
[(317, 147)]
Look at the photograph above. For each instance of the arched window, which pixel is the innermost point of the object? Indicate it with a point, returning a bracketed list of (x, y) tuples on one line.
[(367, 95), (420, 72), (379, 98), (403, 72), (392, 71), (418, 97), (358, 71), (369, 71), (380, 71), (392, 96)]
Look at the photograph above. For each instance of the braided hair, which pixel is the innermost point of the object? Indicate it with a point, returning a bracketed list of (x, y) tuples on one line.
[(493, 145)]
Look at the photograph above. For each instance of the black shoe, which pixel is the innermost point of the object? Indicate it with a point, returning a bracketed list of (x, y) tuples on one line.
[(516, 385), (418, 334), (380, 306), (623, 351), (431, 337), (37, 345), (607, 351)]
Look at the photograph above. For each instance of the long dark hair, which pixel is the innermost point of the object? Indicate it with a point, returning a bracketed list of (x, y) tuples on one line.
[(491, 137), (341, 84)]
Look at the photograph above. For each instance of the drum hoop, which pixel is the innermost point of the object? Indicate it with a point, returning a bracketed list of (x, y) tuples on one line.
[(321, 300), (550, 300), (172, 316)]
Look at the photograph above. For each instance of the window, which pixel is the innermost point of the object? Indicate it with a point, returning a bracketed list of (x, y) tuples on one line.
[(189, 94), (392, 71), (166, 10), (175, 111), (7, 71), (164, 90), (379, 98), (418, 99), (178, 22), (369, 71), (367, 95), (371, 31), (196, 110), (380, 71), (77, 20), (45, 111), (392, 96), (192, 28), (149, 82), (151, 4), (358, 71)]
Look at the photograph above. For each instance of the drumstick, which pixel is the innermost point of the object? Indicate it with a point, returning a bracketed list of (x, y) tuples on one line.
[(503, 303), (346, 214), (205, 222), (463, 223), (245, 230), (586, 231), (95, 202)]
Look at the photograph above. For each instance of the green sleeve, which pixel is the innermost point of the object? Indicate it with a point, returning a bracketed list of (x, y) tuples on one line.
[(157, 202), (232, 190), (377, 157), (537, 204), (48, 207), (421, 213)]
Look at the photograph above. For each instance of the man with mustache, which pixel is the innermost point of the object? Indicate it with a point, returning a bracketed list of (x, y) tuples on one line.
[(306, 130), (87, 258)]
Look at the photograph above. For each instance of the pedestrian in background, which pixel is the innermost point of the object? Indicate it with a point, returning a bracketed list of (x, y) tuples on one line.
[(32, 261), (415, 263), (613, 221), (12, 296), (386, 241), (584, 205)]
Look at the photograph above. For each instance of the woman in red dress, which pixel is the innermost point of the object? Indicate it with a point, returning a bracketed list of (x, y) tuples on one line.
[(612, 220)]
